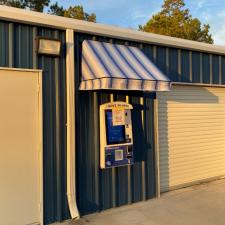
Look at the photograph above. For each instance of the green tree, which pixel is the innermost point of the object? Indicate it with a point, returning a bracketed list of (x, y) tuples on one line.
[(13, 3), (55, 9), (37, 5), (75, 12), (175, 20)]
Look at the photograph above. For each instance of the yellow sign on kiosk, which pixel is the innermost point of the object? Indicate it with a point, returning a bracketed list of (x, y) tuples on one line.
[(118, 117)]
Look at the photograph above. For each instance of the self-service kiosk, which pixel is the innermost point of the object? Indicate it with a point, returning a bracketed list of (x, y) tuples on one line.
[(116, 138)]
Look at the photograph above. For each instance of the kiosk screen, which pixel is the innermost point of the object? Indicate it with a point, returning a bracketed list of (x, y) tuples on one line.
[(115, 134)]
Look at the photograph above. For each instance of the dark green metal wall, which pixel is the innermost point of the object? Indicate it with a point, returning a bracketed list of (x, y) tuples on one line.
[(103, 189), (97, 190), (17, 49), (190, 66)]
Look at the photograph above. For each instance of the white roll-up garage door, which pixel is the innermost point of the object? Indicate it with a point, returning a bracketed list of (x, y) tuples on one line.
[(191, 121)]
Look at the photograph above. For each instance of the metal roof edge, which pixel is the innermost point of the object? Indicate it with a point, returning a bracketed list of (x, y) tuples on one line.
[(42, 19)]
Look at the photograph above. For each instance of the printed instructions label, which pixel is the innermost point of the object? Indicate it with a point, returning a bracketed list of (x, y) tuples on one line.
[(118, 117)]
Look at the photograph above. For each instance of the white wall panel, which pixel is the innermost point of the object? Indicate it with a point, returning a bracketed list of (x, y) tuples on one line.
[(20, 148)]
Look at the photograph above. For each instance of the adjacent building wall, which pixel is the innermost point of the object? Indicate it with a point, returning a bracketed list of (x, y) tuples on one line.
[(17, 49)]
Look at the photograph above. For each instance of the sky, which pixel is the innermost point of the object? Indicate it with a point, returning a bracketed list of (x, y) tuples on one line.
[(131, 13)]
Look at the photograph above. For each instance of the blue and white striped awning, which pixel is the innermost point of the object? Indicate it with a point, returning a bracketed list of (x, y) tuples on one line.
[(119, 67)]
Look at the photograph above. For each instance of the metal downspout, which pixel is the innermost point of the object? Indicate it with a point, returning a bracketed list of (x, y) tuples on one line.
[(71, 181)]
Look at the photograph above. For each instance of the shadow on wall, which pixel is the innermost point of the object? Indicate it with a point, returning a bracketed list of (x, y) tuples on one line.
[(140, 141), (189, 96)]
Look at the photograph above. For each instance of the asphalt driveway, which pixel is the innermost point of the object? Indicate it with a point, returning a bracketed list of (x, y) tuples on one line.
[(197, 205)]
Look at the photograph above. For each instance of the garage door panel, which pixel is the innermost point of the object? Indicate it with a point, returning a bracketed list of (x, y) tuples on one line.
[(191, 135)]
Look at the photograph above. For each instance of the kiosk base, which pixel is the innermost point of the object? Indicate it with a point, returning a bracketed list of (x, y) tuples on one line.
[(118, 156)]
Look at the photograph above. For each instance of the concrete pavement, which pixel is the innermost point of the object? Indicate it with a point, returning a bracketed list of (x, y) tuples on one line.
[(197, 205)]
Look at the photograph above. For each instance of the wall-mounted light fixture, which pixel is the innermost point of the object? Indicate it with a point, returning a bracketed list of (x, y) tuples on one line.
[(47, 46)]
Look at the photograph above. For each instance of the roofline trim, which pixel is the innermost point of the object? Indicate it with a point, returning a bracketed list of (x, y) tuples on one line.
[(42, 19)]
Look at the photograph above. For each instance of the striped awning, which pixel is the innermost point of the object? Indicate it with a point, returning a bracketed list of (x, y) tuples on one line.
[(119, 67)]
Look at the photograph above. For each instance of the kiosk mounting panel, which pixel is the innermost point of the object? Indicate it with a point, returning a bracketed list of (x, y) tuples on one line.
[(116, 138)]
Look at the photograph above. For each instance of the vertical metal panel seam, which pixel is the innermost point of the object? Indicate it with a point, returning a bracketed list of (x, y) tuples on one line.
[(112, 98), (167, 61), (19, 46), (34, 32), (156, 139), (179, 64), (97, 197), (11, 28), (191, 68), (211, 69), (129, 172), (155, 53), (201, 68), (113, 172), (220, 70), (143, 162), (129, 191)]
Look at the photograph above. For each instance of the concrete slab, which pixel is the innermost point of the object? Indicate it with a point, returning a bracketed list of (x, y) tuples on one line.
[(197, 205)]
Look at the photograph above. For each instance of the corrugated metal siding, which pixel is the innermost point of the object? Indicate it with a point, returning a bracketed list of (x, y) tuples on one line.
[(4, 44), (173, 57), (215, 69), (196, 67), (185, 66), (17, 49), (188, 66), (103, 189), (206, 64), (191, 135)]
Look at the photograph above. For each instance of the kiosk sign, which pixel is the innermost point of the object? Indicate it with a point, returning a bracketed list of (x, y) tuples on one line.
[(118, 117)]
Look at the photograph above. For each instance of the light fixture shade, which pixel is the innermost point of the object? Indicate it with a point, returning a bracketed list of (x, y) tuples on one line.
[(47, 46)]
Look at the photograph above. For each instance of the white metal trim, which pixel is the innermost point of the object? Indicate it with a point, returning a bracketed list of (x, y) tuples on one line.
[(40, 114), (71, 148), (21, 69), (35, 18), (199, 84), (157, 163)]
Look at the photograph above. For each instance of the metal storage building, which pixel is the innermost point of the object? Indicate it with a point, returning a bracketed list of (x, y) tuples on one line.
[(182, 140)]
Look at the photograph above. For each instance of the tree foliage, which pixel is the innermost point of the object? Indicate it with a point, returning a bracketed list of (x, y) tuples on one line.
[(175, 20), (13, 3), (75, 12), (37, 5)]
